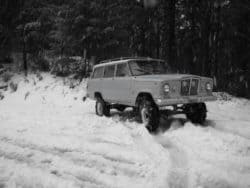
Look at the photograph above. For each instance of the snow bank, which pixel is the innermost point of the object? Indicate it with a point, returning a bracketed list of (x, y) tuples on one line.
[(50, 137)]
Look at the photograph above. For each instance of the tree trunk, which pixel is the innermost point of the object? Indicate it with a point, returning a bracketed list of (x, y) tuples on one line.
[(85, 62), (206, 68), (25, 65), (158, 42), (193, 62), (170, 31), (143, 41), (217, 45)]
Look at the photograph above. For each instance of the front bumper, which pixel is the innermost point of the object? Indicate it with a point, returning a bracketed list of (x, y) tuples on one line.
[(184, 100)]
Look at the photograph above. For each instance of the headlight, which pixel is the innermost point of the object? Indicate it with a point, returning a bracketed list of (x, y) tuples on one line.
[(208, 87), (166, 88)]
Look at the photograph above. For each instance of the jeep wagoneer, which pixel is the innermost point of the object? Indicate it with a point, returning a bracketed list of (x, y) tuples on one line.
[(148, 86)]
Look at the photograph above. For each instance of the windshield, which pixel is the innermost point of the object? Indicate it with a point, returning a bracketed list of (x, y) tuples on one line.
[(144, 67)]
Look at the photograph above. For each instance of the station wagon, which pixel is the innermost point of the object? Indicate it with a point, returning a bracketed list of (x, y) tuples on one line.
[(149, 86)]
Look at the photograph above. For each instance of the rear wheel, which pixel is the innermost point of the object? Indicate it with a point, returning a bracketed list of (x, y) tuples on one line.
[(101, 108), (196, 113), (149, 114)]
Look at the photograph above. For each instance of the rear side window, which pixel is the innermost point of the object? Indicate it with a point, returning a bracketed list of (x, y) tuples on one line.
[(98, 72), (122, 70), (109, 71)]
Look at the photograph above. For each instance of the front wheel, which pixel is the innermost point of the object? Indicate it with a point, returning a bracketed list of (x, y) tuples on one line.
[(149, 115), (196, 113), (101, 108)]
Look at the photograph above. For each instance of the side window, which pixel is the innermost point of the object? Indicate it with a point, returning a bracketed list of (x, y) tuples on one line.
[(109, 71), (122, 70), (98, 72)]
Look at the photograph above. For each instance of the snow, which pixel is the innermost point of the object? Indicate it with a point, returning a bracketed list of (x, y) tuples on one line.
[(50, 137)]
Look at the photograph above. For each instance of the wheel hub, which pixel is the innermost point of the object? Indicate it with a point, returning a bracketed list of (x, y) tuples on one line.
[(145, 116), (99, 108)]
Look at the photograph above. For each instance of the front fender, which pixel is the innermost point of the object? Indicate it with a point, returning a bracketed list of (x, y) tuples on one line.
[(153, 88)]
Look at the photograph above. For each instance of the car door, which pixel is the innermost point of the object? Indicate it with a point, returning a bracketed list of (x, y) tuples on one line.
[(108, 88), (96, 81), (122, 83)]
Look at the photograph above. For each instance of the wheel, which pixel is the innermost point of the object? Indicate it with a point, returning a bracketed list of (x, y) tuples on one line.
[(101, 108), (196, 113), (149, 115)]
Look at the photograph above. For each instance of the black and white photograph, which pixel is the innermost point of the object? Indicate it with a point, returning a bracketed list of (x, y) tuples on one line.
[(124, 93)]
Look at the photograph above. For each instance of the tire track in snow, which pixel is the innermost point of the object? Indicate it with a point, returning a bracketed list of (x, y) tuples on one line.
[(177, 176), (178, 173), (66, 152), (43, 166), (25, 153)]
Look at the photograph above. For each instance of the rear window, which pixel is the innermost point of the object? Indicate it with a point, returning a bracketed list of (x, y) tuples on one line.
[(98, 72), (109, 71)]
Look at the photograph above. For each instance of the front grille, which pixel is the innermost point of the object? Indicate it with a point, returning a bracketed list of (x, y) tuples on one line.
[(185, 85), (189, 87), (194, 87)]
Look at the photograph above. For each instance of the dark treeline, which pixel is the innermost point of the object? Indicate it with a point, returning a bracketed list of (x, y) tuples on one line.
[(209, 37)]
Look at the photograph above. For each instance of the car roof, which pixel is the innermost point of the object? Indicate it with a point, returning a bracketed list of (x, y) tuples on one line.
[(123, 60)]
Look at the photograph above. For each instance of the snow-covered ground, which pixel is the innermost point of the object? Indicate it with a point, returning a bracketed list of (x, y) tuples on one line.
[(49, 137)]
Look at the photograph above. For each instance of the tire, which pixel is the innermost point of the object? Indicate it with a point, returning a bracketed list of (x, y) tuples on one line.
[(149, 114), (101, 108), (196, 113)]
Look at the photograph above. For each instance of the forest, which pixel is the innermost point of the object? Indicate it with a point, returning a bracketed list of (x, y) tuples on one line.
[(209, 37)]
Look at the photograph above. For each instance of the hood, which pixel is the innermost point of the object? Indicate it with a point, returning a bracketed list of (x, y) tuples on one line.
[(164, 77)]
